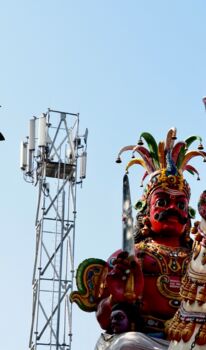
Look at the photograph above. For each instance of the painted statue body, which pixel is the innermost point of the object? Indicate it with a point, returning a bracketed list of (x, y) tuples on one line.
[(150, 278), (163, 263)]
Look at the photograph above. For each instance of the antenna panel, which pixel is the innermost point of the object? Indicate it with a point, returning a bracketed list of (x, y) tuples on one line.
[(42, 131), (32, 123), (23, 155)]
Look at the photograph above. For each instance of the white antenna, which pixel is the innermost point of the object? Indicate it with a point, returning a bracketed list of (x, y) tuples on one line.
[(32, 123), (31, 143), (23, 155), (83, 164), (42, 131)]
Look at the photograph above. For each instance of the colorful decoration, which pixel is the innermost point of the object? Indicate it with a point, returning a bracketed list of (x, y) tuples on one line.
[(165, 162), (90, 279), (158, 276), (188, 327)]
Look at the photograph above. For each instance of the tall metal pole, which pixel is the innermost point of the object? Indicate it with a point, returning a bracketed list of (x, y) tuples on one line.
[(60, 272)]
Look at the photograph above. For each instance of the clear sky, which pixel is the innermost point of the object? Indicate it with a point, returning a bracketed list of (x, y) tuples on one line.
[(126, 67)]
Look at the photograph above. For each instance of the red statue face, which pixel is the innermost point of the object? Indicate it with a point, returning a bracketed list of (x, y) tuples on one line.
[(168, 212), (119, 321)]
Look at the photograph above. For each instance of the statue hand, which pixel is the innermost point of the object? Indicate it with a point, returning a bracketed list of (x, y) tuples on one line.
[(125, 281)]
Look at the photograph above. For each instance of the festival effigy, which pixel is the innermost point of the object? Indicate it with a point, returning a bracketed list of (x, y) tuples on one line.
[(151, 293)]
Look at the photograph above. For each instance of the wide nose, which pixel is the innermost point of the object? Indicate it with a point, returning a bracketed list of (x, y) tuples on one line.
[(113, 324), (114, 320), (172, 205), (172, 202)]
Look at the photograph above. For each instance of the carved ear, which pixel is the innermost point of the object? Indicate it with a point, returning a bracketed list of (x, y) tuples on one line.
[(192, 212), (140, 205), (90, 280)]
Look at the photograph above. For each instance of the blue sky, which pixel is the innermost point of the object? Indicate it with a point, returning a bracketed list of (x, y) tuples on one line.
[(126, 67)]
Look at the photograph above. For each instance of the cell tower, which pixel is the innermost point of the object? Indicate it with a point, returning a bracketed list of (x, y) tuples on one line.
[(53, 158)]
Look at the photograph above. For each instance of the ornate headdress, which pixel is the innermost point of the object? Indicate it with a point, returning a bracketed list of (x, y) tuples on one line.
[(165, 162)]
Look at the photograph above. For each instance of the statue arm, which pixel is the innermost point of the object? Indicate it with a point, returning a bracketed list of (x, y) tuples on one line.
[(124, 283)]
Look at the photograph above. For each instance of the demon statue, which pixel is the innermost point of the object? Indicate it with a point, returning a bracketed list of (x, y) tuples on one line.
[(136, 293)]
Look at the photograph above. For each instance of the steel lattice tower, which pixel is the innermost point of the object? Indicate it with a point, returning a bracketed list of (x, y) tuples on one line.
[(55, 162)]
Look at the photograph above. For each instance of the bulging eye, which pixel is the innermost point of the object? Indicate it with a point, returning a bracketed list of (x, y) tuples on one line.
[(181, 205), (162, 202)]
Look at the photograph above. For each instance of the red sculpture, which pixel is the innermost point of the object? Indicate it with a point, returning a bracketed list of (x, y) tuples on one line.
[(147, 272)]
